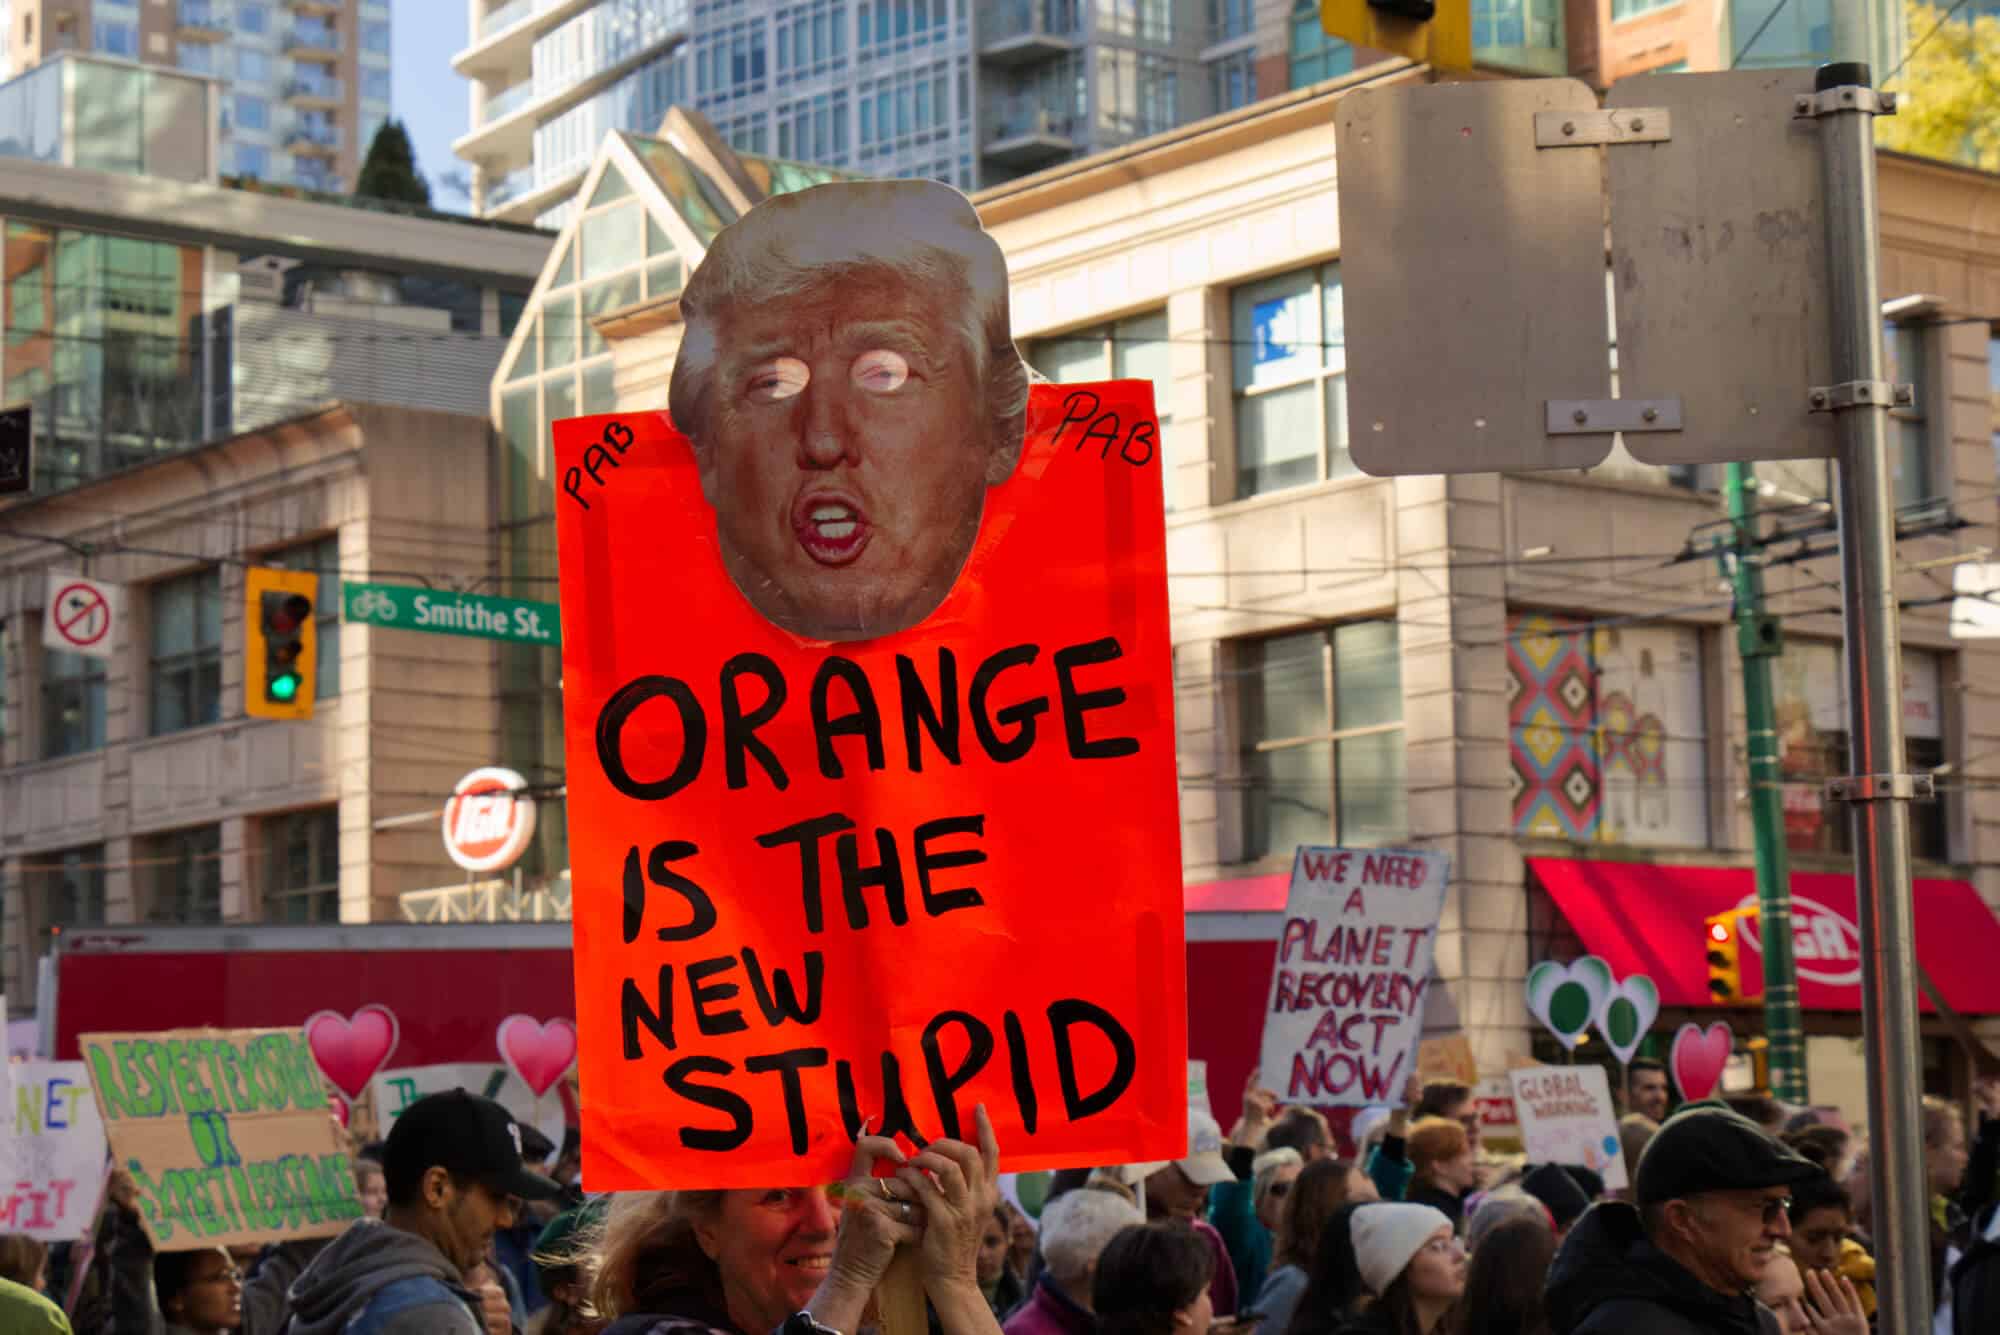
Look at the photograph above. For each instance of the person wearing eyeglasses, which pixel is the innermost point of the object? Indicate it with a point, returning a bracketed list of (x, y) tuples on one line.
[(1413, 1266), (1712, 1195), (200, 1292)]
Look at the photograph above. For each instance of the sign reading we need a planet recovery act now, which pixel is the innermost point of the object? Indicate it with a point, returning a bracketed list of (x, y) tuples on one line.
[(404, 607)]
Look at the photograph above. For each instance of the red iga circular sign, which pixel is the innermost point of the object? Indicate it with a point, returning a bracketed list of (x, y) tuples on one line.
[(489, 820)]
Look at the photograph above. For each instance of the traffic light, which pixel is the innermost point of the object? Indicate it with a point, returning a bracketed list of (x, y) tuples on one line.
[(1438, 32), (280, 640), (1725, 956)]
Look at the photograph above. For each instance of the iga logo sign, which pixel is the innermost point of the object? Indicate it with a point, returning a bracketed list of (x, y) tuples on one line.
[(1826, 946), (489, 820)]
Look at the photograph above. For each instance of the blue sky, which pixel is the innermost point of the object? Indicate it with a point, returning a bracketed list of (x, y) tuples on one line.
[(426, 95)]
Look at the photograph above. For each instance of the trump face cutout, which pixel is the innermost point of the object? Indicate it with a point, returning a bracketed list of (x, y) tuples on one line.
[(852, 390)]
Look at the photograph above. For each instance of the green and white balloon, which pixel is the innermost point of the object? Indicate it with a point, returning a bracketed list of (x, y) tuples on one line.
[(1628, 1012), (1568, 997)]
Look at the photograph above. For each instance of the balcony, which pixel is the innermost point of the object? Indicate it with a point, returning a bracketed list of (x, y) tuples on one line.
[(312, 175), (502, 105), (308, 140), (197, 21), (302, 91), (314, 6), (1022, 32), (1025, 134), (508, 188), (507, 16), (312, 43)]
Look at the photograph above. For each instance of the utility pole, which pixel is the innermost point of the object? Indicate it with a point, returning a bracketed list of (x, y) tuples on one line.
[(1878, 789), (1758, 641)]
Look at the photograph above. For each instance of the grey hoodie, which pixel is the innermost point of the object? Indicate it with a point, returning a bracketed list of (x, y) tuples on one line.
[(429, 1296)]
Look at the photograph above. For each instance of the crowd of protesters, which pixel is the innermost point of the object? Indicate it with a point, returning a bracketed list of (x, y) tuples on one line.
[(1742, 1218)]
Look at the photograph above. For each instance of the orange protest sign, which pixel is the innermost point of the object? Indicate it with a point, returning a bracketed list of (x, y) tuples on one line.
[(819, 880)]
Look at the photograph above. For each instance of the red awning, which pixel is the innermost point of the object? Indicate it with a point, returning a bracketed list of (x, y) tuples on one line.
[(1645, 918)]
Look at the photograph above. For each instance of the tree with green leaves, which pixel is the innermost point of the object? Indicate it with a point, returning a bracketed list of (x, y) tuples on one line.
[(390, 170), (1949, 88)]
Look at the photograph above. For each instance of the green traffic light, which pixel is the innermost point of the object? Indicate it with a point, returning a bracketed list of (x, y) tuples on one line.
[(284, 687)]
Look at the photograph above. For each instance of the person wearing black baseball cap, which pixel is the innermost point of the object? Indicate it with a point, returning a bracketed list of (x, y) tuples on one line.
[(454, 1171), (1712, 1191)]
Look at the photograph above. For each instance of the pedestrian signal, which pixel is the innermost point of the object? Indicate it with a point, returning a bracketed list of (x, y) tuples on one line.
[(280, 641)]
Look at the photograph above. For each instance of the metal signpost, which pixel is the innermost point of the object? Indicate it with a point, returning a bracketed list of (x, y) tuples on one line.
[(1745, 293)]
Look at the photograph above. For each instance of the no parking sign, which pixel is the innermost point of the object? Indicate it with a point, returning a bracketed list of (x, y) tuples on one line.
[(83, 615)]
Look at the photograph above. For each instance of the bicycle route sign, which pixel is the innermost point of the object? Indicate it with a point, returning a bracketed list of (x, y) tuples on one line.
[(406, 607)]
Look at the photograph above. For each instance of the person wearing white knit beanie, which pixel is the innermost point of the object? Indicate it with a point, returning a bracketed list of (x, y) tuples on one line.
[(1410, 1258)]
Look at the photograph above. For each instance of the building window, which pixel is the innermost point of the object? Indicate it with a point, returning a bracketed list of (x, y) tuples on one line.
[(252, 18), (252, 66), (1316, 56), (68, 890), (1517, 23), (1631, 9), (72, 703), (252, 113), (1134, 348), (1230, 19), (1290, 355), (1138, 93), (1322, 723), (181, 875), (375, 85), (187, 651), (300, 875), (375, 37), (1233, 80), (252, 160), (1810, 683), (1785, 34), (1606, 735), (1910, 446), (198, 57), (117, 39)]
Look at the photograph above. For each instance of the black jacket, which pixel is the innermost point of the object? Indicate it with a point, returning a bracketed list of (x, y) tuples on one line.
[(1975, 1283), (1608, 1280)]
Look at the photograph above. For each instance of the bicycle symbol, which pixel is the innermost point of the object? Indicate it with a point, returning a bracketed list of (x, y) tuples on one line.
[(373, 605)]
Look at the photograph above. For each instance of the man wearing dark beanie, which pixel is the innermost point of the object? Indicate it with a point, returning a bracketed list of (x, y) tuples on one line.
[(1711, 1189)]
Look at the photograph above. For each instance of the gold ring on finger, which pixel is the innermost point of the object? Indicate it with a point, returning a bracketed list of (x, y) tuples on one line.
[(883, 1183)]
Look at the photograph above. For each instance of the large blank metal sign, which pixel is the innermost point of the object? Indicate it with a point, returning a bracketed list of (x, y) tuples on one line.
[(1472, 267), (1719, 276)]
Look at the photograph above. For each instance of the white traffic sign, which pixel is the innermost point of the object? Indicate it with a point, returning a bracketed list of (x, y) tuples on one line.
[(83, 616), (1718, 243), (1472, 268)]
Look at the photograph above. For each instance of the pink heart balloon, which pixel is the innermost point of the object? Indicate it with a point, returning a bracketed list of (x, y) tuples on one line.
[(351, 1049), (1697, 1058), (538, 1053)]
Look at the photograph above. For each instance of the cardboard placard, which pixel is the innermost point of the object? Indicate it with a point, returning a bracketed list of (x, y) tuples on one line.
[(869, 712), (1567, 1117), (1447, 1057), (58, 1168), (1354, 959), (227, 1132), (394, 1090)]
